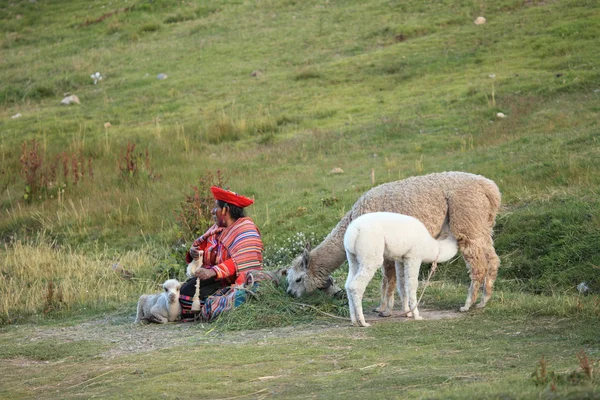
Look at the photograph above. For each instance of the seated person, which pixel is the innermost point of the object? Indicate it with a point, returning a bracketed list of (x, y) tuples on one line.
[(232, 247)]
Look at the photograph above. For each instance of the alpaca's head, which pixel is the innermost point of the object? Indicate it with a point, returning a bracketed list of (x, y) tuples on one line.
[(171, 288), (297, 274), (300, 282)]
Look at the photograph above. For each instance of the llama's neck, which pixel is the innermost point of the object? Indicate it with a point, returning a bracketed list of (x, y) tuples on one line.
[(329, 255)]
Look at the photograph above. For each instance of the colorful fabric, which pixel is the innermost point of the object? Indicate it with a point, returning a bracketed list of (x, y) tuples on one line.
[(231, 252), (230, 197), (229, 298)]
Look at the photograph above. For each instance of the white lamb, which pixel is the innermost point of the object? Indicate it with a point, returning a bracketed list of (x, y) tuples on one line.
[(162, 307), (371, 238)]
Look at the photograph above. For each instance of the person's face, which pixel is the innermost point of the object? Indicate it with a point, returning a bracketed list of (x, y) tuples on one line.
[(219, 214)]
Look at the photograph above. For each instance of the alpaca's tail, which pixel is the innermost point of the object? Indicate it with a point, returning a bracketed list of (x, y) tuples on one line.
[(350, 238), (494, 197), (448, 248)]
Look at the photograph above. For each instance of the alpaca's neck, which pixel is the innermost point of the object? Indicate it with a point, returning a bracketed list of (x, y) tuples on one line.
[(446, 249), (329, 255), (173, 309)]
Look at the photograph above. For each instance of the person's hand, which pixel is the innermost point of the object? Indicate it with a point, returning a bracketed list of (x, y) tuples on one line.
[(205, 273), (195, 253)]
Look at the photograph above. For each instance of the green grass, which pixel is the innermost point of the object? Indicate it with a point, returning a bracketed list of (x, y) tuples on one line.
[(377, 88)]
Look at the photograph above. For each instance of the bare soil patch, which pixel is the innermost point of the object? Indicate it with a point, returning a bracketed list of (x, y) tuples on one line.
[(129, 338)]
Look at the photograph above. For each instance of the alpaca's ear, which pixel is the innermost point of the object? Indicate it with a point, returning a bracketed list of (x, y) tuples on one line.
[(307, 246), (306, 256)]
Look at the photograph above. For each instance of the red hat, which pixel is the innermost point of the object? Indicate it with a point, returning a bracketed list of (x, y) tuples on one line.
[(230, 197)]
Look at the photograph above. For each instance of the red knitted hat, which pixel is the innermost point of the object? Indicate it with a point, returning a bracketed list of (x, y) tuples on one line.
[(230, 197)]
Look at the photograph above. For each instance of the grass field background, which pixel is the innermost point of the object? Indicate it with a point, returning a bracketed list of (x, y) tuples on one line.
[(98, 198)]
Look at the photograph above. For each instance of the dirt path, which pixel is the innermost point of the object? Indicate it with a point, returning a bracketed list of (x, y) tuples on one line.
[(125, 337)]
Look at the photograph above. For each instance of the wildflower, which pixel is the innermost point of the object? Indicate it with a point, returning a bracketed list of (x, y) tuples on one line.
[(583, 288), (96, 77)]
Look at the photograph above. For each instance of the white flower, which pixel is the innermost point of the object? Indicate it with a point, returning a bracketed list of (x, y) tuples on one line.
[(583, 287), (493, 76), (96, 77)]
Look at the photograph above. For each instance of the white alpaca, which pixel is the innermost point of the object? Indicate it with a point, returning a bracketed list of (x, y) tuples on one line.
[(371, 238), (162, 307)]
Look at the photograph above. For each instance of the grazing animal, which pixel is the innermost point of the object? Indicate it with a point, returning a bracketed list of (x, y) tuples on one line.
[(469, 203), (371, 238), (162, 307)]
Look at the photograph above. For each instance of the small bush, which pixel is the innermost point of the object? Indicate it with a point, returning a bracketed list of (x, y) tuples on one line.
[(195, 214), (150, 27), (307, 73), (130, 165), (42, 177)]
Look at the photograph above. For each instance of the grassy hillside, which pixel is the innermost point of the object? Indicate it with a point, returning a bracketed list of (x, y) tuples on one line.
[(275, 94), (100, 199)]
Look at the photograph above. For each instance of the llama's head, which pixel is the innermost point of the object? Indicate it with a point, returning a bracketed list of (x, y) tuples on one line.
[(171, 288), (300, 282), (297, 274)]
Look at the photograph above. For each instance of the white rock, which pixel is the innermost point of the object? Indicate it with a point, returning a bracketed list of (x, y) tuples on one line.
[(500, 115), (107, 125), (17, 115), (70, 99), (336, 170), (480, 21), (161, 76)]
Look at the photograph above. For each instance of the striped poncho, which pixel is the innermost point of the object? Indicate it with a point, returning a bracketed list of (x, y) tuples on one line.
[(232, 251)]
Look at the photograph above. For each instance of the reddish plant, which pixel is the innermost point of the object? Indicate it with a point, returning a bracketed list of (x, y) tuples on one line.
[(129, 164), (195, 217), (41, 176)]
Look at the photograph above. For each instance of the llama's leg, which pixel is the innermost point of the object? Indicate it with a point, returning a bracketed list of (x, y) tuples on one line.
[(401, 285), (475, 257), (493, 262), (388, 283), (411, 272), (356, 289)]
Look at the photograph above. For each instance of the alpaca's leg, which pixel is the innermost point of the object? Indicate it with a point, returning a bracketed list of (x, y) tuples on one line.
[(475, 257), (493, 262), (140, 310), (401, 285), (356, 289), (388, 283), (411, 272), (471, 218), (352, 269)]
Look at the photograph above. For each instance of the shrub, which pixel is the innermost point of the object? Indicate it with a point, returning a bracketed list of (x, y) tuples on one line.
[(195, 216), (41, 176), (131, 165)]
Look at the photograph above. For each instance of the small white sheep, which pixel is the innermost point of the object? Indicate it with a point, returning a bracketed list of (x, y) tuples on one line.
[(162, 307), (372, 238)]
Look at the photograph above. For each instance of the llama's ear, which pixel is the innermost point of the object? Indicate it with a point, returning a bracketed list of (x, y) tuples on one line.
[(306, 257)]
